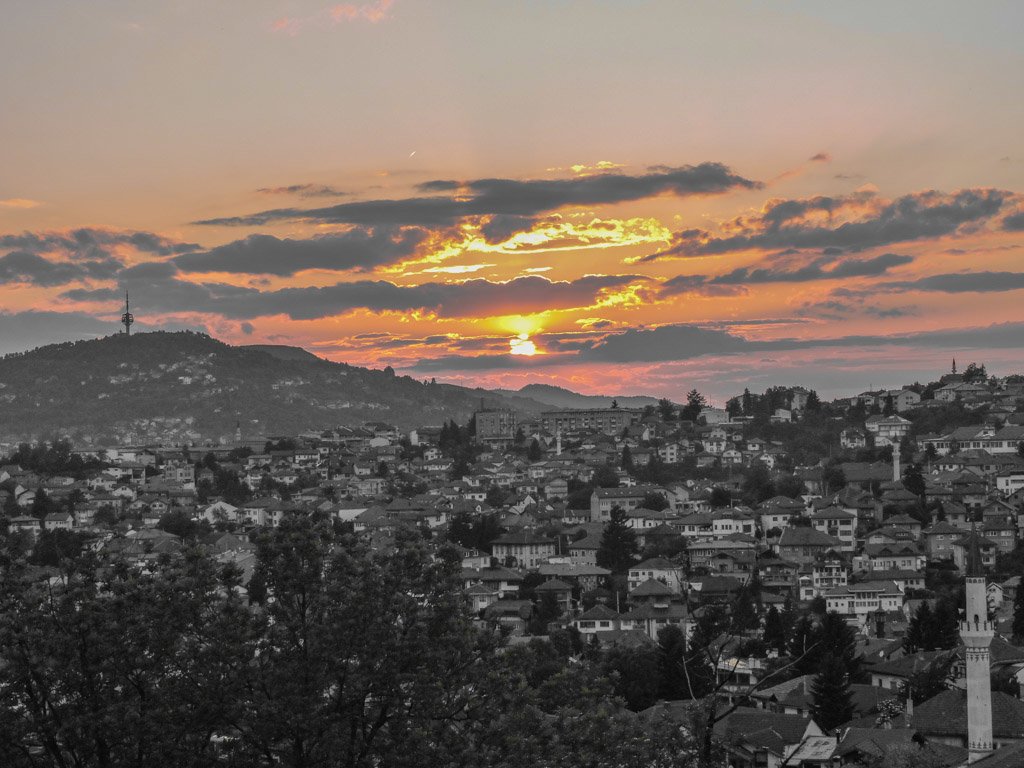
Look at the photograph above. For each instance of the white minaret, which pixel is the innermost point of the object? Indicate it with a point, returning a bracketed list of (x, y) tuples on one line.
[(558, 442), (976, 632), (896, 474)]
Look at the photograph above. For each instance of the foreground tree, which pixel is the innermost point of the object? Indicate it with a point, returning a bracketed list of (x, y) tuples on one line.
[(831, 697), (617, 549), (353, 658)]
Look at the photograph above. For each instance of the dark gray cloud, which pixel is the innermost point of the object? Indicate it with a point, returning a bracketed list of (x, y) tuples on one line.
[(824, 267), (487, 197), (501, 227), (157, 288), (25, 267), (821, 157), (304, 190), (960, 282), (1014, 222), (781, 225), (90, 243), (674, 343), (358, 249)]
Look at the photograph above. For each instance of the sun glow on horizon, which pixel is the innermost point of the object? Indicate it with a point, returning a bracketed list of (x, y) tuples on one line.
[(522, 345)]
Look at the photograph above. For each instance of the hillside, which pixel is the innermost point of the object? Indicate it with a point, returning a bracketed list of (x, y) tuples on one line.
[(558, 397), (190, 386)]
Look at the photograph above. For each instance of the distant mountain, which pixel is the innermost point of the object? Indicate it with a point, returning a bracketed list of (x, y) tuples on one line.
[(559, 397), (161, 386)]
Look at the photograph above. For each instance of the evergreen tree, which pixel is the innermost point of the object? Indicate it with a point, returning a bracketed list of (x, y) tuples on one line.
[(921, 631), (775, 630), (627, 458), (744, 616), (831, 696), (534, 453), (618, 548), (1018, 615), (672, 663)]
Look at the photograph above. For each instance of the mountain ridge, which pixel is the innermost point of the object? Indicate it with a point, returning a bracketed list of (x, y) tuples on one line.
[(560, 397), (184, 385)]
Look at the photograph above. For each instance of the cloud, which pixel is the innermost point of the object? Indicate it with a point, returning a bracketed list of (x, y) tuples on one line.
[(825, 267), (155, 287), (247, 328), (869, 223), (91, 242), (303, 190), (19, 202), (1014, 222), (681, 342), (25, 267), (358, 249), (508, 197), (821, 157), (371, 12), (959, 282)]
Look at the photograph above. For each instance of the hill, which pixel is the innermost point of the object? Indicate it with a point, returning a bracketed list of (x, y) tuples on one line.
[(187, 386), (559, 397)]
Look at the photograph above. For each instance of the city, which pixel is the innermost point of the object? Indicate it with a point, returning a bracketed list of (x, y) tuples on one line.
[(786, 573)]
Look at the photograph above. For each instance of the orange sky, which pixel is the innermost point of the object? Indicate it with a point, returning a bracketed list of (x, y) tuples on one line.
[(631, 197)]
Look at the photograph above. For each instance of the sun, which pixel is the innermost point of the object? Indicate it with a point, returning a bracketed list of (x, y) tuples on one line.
[(521, 345)]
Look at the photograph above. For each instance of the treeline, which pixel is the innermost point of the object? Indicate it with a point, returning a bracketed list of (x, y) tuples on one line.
[(345, 657)]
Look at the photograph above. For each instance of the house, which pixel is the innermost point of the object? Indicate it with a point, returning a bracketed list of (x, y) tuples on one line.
[(660, 569), (523, 549), (852, 438), (804, 545), (604, 500), (857, 602), (986, 547), (839, 524)]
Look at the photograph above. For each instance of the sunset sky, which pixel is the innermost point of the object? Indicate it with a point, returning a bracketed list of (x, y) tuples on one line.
[(617, 196)]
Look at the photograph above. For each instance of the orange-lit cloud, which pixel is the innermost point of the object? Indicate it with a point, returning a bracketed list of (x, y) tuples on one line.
[(19, 202)]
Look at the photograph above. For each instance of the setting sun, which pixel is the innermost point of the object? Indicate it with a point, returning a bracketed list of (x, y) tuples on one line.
[(521, 345)]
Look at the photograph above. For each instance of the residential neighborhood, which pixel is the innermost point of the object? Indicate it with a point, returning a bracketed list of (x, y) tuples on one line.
[(787, 544)]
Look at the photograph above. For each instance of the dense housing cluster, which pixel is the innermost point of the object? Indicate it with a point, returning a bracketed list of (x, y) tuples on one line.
[(792, 576)]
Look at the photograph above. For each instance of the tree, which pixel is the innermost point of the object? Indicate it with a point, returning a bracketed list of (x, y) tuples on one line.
[(672, 663), (667, 409), (913, 480), (831, 696), (627, 458), (618, 548), (655, 501), (605, 476), (744, 615), (534, 452), (54, 546), (1018, 615), (920, 632), (720, 498), (636, 674), (775, 630), (695, 403), (930, 680)]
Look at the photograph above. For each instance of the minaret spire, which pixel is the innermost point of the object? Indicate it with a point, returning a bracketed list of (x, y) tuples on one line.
[(127, 318), (976, 631)]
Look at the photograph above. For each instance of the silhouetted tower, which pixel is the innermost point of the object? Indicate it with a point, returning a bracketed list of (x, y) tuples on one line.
[(954, 366), (977, 631), (127, 318)]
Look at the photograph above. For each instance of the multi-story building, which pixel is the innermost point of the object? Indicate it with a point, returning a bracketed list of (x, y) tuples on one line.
[(496, 426), (611, 421)]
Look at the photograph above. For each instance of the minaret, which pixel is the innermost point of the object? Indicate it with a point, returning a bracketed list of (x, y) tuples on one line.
[(976, 632), (127, 318), (954, 366), (896, 474)]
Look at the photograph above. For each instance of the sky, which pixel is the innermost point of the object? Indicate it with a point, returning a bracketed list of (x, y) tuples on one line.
[(616, 196)]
